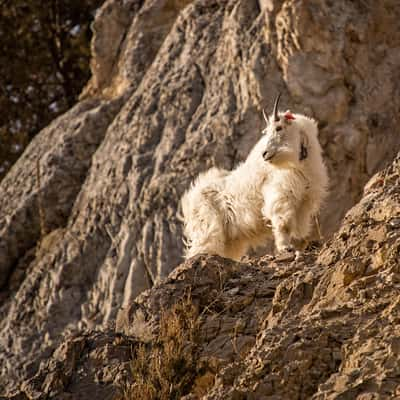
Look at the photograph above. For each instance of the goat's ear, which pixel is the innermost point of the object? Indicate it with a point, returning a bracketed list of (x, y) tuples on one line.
[(303, 152)]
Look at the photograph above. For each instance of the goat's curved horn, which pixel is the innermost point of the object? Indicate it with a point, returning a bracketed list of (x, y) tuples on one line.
[(265, 116), (275, 111)]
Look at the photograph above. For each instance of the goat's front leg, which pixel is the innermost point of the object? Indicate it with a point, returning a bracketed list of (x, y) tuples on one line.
[(281, 227), (281, 213)]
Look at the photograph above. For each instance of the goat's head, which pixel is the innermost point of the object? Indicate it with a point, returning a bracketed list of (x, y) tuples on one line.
[(285, 141)]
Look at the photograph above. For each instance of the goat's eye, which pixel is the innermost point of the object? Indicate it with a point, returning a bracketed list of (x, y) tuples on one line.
[(278, 128)]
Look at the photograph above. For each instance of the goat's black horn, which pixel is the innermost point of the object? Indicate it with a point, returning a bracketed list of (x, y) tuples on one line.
[(265, 116), (275, 112)]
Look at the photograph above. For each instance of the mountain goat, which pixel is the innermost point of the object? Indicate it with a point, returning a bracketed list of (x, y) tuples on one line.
[(276, 192)]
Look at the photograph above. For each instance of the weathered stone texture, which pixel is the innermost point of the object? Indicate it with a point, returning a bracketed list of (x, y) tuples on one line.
[(178, 86), (324, 326)]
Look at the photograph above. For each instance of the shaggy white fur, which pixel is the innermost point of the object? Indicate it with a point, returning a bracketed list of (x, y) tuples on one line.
[(276, 192)]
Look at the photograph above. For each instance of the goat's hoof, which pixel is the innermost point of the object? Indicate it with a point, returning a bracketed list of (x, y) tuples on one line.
[(288, 249), (298, 254), (286, 254)]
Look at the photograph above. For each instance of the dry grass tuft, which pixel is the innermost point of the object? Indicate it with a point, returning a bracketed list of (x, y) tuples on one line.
[(167, 367)]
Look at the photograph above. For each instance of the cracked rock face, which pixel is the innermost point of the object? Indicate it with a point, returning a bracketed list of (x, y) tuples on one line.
[(324, 326), (178, 86)]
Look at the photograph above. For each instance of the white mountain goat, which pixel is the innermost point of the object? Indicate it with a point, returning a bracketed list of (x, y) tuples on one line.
[(278, 190)]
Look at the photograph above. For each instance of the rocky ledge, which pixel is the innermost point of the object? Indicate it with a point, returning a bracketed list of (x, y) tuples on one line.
[(323, 326)]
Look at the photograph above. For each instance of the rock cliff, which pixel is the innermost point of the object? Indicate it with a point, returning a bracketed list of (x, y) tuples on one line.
[(324, 326), (88, 214)]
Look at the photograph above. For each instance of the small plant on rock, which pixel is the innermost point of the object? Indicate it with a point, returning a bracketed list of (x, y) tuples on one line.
[(167, 367)]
